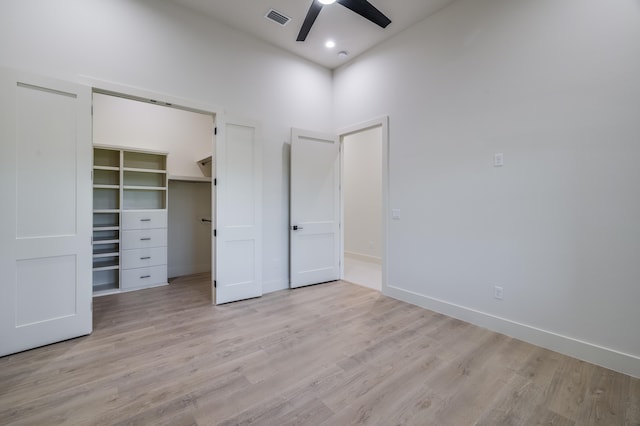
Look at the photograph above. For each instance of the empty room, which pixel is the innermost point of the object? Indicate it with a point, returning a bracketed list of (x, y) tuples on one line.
[(182, 218)]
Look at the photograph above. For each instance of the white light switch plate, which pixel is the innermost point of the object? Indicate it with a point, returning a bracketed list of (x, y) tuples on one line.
[(498, 159), (395, 214)]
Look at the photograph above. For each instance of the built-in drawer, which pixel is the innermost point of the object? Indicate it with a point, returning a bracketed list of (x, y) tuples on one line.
[(139, 258), (144, 277), (143, 238), (144, 219)]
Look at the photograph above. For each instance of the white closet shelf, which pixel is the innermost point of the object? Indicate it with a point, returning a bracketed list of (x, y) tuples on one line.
[(108, 168), (106, 268), (190, 178), (104, 289), (205, 160), (146, 188), (134, 169), (107, 211), (106, 186), (106, 254), (106, 228), (113, 241)]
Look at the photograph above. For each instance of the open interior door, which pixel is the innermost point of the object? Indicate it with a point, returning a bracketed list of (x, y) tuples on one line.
[(315, 208), (45, 231), (238, 230)]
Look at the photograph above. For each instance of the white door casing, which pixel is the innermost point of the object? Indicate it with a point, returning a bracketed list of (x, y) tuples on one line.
[(45, 230), (238, 168), (315, 208), (213, 211)]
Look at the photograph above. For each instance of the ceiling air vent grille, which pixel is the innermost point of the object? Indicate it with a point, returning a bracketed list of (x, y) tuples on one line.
[(277, 17)]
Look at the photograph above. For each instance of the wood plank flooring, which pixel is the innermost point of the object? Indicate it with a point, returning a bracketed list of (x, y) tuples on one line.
[(332, 354)]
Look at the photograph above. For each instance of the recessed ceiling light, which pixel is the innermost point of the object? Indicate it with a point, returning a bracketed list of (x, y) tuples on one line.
[(330, 44), (343, 54), (327, 1)]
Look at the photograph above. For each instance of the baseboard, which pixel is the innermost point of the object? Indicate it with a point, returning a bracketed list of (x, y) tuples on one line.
[(605, 357), (274, 285), (363, 257)]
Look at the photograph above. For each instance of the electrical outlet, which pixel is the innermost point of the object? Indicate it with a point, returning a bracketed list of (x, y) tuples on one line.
[(498, 292)]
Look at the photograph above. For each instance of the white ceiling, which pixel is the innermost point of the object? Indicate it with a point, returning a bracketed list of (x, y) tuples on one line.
[(350, 31)]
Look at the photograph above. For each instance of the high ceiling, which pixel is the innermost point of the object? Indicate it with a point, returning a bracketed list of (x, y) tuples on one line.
[(351, 32)]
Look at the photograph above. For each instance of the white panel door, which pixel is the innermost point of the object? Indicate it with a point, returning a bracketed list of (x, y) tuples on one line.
[(315, 208), (238, 167), (45, 231)]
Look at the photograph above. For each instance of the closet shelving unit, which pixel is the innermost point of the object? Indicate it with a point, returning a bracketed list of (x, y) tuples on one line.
[(144, 180), (106, 220), (129, 187)]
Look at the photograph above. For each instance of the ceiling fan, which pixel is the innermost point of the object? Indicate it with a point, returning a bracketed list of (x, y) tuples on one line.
[(361, 7)]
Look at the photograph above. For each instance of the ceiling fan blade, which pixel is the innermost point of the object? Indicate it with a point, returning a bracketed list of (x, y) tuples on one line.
[(312, 14), (366, 10)]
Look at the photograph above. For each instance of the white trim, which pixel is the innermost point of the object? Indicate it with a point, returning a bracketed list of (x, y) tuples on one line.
[(605, 357), (363, 257), (145, 95), (383, 122)]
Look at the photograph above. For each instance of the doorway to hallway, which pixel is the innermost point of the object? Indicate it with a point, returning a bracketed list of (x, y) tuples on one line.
[(362, 207)]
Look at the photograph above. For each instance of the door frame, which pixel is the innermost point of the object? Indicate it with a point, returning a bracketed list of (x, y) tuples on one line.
[(163, 99), (383, 123)]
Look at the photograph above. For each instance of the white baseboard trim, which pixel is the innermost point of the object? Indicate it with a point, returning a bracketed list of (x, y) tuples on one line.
[(274, 285), (605, 357), (363, 257)]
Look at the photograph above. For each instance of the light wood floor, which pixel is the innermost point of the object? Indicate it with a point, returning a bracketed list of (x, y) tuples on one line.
[(333, 354)]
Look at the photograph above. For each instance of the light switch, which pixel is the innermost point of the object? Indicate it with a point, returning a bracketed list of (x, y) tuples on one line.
[(395, 214), (498, 159)]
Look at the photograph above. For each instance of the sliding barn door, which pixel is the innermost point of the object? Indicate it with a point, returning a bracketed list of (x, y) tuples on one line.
[(315, 208), (45, 231), (238, 211)]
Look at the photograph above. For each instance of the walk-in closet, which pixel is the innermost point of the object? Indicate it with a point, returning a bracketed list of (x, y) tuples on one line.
[(153, 200)]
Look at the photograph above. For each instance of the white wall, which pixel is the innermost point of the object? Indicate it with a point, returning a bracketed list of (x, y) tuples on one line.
[(554, 85), (160, 47), (189, 248), (361, 185), (187, 136)]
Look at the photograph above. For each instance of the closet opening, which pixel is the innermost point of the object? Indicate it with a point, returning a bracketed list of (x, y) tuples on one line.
[(154, 200)]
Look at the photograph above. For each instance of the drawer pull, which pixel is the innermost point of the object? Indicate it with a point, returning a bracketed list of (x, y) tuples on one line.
[(145, 220), (145, 239), (145, 276), (145, 258)]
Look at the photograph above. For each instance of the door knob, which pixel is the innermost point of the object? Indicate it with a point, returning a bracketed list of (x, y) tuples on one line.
[(296, 227)]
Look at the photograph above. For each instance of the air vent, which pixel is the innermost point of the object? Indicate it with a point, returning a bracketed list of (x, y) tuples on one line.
[(277, 17)]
